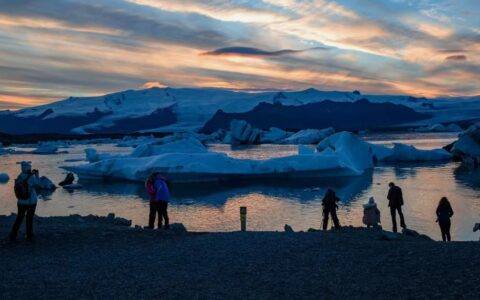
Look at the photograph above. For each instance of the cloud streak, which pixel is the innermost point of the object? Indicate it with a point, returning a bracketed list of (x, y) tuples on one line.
[(256, 52)]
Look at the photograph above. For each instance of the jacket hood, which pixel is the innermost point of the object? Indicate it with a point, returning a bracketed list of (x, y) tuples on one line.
[(26, 167), (371, 203)]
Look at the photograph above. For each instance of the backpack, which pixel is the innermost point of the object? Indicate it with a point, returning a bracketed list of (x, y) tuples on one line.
[(22, 192), (150, 186)]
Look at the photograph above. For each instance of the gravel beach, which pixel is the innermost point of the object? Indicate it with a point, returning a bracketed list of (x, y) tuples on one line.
[(100, 257)]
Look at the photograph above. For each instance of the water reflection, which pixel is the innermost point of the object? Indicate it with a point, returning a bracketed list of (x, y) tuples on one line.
[(212, 194)]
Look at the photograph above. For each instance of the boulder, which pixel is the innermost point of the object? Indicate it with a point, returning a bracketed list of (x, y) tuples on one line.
[(178, 228), (46, 184), (288, 228), (4, 177), (389, 236)]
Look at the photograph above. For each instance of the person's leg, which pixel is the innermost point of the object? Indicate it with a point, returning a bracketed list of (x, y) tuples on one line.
[(394, 219), (160, 215), (402, 220), (336, 223), (447, 230), (21, 209), (325, 219), (30, 215), (442, 230), (164, 210), (151, 216)]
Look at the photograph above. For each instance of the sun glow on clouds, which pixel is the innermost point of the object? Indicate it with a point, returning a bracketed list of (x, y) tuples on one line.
[(376, 47)]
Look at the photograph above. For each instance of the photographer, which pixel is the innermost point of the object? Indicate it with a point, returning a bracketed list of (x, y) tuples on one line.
[(25, 186)]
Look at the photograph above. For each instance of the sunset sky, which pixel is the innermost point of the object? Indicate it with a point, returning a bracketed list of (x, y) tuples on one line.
[(54, 49)]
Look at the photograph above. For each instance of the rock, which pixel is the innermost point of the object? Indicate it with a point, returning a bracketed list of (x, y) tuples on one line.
[(476, 227), (178, 228), (4, 177), (389, 236), (46, 184), (122, 222), (288, 228), (312, 230), (410, 232)]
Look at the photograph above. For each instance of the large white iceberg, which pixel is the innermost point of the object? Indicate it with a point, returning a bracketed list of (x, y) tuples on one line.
[(342, 154), (309, 136), (366, 153), (189, 145)]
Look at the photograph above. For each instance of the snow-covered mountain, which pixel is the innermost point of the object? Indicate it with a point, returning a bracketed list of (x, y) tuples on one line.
[(186, 109)]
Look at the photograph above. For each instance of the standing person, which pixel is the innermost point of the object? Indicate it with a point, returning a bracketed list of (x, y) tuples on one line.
[(329, 204), (25, 186), (159, 193), (371, 214), (444, 213), (395, 202)]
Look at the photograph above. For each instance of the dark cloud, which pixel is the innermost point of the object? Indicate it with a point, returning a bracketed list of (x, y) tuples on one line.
[(249, 51), (460, 57), (132, 24)]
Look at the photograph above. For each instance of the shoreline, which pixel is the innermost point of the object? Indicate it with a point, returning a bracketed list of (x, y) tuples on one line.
[(96, 257)]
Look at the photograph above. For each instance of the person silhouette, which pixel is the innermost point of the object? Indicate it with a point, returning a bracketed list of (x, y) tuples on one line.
[(329, 204), (395, 202)]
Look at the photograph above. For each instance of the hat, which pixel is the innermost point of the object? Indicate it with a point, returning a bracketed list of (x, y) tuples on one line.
[(371, 203), (26, 166)]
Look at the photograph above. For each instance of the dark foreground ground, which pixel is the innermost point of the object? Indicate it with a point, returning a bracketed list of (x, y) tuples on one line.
[(77, 257)]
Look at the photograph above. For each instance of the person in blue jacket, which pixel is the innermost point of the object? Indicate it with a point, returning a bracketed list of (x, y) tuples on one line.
[(159, 192)]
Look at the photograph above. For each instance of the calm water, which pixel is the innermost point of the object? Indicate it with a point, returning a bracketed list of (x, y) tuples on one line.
[(270, 206)]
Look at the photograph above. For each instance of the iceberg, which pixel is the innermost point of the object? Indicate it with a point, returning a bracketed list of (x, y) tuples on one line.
[(309, 136), (341, 154), (407, 153), (189, 145), (46, 148), (92, 155), (365, 153), (467, 147), (350, 149), (243, 133), (440, 128), (210, 166), (274, 135)]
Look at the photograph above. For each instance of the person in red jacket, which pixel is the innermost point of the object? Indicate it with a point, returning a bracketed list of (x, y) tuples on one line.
[(159, 192)]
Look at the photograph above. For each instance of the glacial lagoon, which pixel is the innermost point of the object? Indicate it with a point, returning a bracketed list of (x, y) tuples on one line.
[(271, 205)]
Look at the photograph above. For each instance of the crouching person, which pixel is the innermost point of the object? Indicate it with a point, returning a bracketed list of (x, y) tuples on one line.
[(24, 188), (371, 214), (157, 189)]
